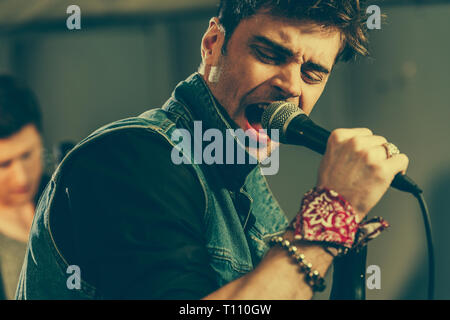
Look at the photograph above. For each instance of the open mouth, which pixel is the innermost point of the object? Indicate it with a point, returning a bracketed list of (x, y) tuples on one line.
[(22, 190), (254, 113)]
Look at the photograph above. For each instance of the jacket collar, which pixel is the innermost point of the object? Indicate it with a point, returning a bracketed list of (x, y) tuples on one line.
[(196, 96)]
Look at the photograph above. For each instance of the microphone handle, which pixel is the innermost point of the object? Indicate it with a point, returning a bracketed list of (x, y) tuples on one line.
[(315, 138), (349, 271), (309, 135), (349, 276)]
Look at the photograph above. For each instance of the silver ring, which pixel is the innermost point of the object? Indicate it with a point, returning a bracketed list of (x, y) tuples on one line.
[(391, 149)]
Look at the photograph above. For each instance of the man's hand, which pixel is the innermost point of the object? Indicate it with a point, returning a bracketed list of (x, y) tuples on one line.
[(356, 166)]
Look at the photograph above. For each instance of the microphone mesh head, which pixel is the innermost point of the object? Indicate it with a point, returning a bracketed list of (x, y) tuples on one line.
[(276, 115)]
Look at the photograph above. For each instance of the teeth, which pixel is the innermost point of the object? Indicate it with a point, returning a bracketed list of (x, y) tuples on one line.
[(262, 105)]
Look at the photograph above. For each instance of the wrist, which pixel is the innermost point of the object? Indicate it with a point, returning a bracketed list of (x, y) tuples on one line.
[(316, 251), (327, 219), (312, 264)]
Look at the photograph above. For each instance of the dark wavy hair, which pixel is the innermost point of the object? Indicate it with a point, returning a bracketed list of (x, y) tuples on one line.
[(345, 15), (18, 107)]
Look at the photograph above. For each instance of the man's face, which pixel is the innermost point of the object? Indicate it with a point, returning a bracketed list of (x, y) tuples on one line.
[(20, 166), (270, 59)]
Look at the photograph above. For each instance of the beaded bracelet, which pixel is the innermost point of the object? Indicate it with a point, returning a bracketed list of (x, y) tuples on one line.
[(312, 277)]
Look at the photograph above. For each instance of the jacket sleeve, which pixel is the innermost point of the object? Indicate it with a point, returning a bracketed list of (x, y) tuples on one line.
[(137, 219)]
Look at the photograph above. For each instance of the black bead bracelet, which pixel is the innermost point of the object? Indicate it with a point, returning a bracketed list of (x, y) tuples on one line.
[(312, 277)]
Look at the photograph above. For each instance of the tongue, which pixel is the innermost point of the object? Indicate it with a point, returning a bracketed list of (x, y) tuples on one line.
[(256, 125)]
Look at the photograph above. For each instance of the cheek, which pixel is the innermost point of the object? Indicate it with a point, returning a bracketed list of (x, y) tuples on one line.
[(257, 72), (255, 83), (309, 98), (34, 167), (240, 78), (36, 172), (3, 183), (6, 184)]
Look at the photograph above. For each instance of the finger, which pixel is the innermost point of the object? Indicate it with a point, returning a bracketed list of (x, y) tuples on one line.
[(343, 134), (361, 131), (398, 163), (369, 142), (375, 155), (351, 132)]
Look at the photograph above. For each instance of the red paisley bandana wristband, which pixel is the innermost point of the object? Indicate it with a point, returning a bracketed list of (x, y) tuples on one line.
[(327, 217)]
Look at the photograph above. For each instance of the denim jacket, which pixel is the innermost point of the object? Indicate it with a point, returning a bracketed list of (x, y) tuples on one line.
[(240, 214)]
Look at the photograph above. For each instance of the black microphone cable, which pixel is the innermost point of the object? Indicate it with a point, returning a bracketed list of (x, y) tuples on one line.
[(429, 236)]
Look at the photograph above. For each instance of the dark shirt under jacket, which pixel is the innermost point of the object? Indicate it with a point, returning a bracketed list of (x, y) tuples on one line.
[(127, 198)]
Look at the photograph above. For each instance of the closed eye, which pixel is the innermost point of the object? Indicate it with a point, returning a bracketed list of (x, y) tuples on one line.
[(5, 164), (312, 77), (26, 155), (267, 56)]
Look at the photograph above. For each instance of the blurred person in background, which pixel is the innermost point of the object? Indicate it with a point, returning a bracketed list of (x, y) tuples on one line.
[(21, 169)]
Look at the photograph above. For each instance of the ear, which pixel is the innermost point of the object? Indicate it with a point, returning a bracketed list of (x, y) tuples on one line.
[(212, 43)]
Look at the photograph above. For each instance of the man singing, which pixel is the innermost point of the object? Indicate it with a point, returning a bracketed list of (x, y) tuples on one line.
[(137, 225)]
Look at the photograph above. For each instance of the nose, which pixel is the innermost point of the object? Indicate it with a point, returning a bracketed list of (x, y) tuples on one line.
[(288, 81), (19, 173)]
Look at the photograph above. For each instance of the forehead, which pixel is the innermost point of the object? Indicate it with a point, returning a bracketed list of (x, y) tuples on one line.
[(22, 141), (307, 40)]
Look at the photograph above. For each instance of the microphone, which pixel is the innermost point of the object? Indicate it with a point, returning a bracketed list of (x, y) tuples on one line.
[(295, 127)]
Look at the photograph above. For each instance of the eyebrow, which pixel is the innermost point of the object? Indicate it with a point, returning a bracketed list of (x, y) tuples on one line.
[(28, 151), (289, 53), (316, 67), (274, 45)]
